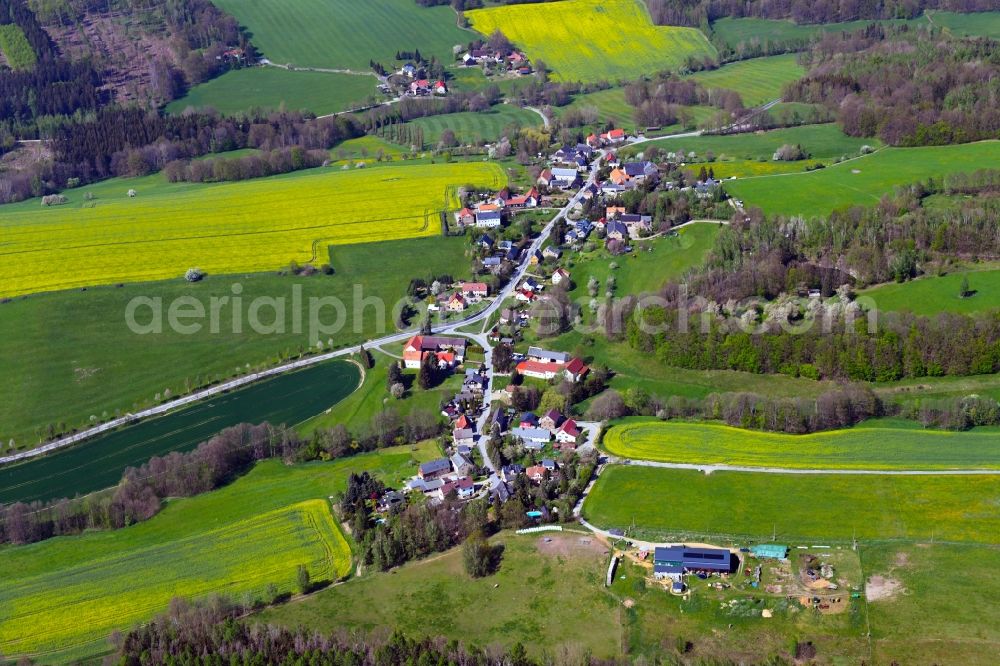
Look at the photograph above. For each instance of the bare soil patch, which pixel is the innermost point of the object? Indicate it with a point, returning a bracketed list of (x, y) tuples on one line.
[(883, 588), (556, 544)]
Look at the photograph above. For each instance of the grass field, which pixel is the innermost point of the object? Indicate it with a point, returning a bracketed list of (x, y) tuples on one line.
[(475, 127), (831, 507), (877, 444), (624, 44), (757, 81), (820, 141), (934, 619), (978, 24), (240, 90), (169, 228), (235, 541), (932, 294), (668, 258), (15, 47), (859, 182), (340, 34), (356, 410), (733, 31), (548, 596), (97, 366), (612, 108), (100, 462)]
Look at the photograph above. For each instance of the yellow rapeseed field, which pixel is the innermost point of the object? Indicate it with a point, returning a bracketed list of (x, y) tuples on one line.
[(83, 603), (256, 225), (593, 40)]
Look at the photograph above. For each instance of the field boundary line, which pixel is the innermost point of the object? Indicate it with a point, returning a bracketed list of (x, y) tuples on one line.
[(750, 469)]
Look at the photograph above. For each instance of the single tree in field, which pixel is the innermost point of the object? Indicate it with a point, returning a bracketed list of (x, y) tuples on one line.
[(302, 578), (963, 291)]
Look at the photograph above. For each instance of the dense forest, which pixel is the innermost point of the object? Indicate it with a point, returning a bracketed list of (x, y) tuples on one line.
[(905, 88)]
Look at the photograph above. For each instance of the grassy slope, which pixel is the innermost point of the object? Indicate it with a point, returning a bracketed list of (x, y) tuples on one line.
[(271, 87), (758, 80), (877, 445), (97, 364), (472, 127), (979, 24), (537, 599), (820, 141), (169, 228), (194, 546), (733, 31), (593, 40), (822, 191), (356, 410), (340, 34), (930, 295), (824, 506)]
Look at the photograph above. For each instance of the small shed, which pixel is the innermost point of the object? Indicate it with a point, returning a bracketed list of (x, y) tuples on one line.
[(769, 551)]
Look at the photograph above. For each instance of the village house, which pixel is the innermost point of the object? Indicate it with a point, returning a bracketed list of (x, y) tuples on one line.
[(613, 136), (550, 420), (390, 500), (674, 561), (499, 490), (525, 295), (528, 420), (463, 487), (536, 473), (464, 436), (462, 422), (549, 464), (560, 275), (488, 219), (461, 464), (576, 370), (539, 370), (566, 434), (465, 217), (486, 242), (475, 290), (545, 178), (428, 487), (565, 178), (615, 230), (546, 356), (618, 177), (551, 252), (449, 350), (456, 303), (493, 264), (434, 469)]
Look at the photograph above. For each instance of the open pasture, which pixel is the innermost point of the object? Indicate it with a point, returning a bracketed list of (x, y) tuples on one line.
[(933, 294), (819, 141), (593, 40), (66, 378), (240, 90), (860, 182), (874, 445), (757, 81), (977, 24), (340, 34), (262, 224), (474, 127), (835, 507), (67, 594), (732, 31)]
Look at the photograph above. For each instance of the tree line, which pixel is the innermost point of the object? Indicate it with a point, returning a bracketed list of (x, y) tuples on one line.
[(216, 462)]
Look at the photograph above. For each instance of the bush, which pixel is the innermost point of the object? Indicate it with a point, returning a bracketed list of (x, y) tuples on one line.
[(54, 200), (194, 274)]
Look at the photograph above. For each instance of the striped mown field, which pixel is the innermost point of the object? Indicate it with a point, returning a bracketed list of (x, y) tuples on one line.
[(758, 80), (340, 34), (661, 503), (472, 127), (271, 87), (593, 40), (253, 225), (876, 445)]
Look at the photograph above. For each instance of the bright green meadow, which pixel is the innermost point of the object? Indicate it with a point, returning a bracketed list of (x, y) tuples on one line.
[(824, 507), (758, 80), (340, 34), (933, 294), (875, 445), (860, 182), (240, 90), (475, 127)]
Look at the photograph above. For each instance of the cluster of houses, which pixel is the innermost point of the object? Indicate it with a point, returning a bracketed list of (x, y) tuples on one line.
[(465, 295), (449, 351), (441, 477), (535, 433), (512, 61), (419, 85), (488, 214)]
